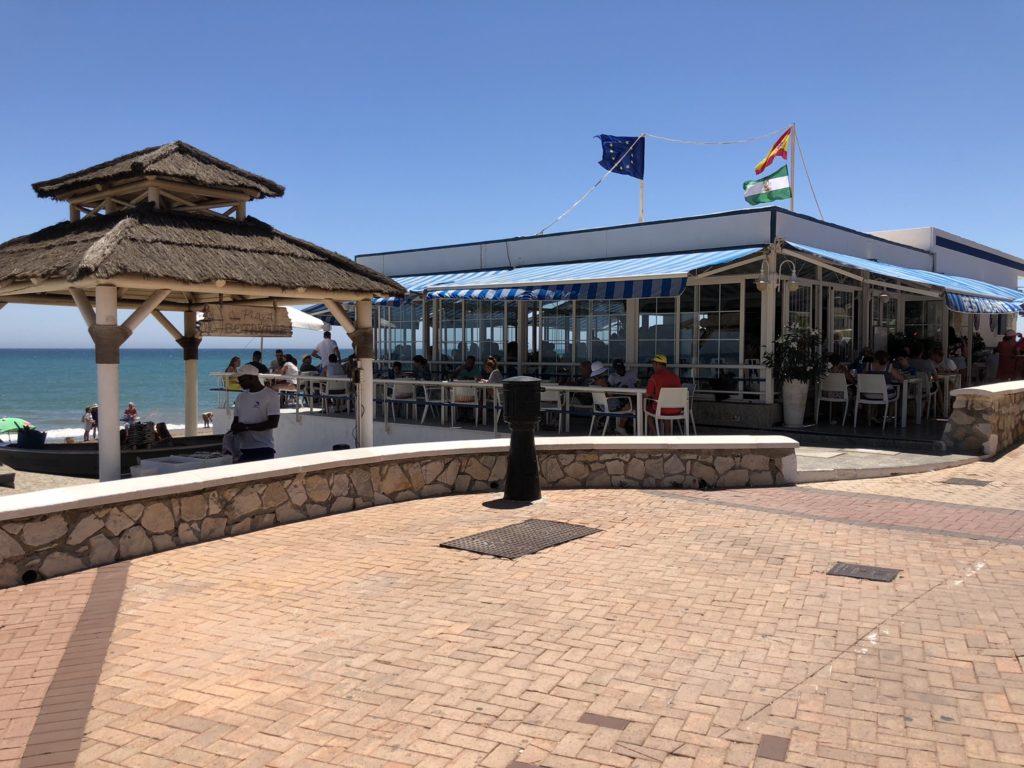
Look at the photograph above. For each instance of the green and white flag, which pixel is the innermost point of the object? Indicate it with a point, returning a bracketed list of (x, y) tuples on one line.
[(768, 188)]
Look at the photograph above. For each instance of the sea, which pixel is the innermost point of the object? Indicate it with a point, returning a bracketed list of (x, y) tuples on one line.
[(51, 388)]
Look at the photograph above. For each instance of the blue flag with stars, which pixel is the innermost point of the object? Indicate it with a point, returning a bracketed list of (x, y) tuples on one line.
[(615, 147)]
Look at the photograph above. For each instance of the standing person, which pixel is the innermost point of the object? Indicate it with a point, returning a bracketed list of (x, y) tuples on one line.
[(231, 382), (325, 348), (1007, 351), (661, 378), (257, 362), (88, 423), (257, 413)]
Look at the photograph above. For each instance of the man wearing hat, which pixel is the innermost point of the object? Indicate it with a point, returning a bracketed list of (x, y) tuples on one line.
[(661, 378), (257, 413)]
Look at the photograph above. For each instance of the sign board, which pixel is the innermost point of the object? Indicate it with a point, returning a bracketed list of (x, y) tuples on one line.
[(244, 320)]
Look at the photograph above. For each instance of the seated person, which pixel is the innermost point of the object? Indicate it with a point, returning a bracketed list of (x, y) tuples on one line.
[(395, 371), (288, 373), (836, 365), (333, 366), (902, 364), (469, 371), (278, 362), (421, 368), (599, 378), (620, 377), (661, 377), (131, 414), (307, 365), (882, 364), (492, 375)]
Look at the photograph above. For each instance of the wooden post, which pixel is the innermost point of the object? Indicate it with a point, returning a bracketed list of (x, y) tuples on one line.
[(364, 394), (107, 382), (191, 354)]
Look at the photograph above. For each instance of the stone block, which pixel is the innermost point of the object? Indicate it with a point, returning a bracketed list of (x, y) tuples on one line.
[(9, 576), (289, 514), (361, 481), (616, 467), (735, 478), (192, 508), (704, 473), (242, 526), (754, 462), (102, 551), (59, 563), (273, 495), (340, 485), (451, 472), (392, 480), (117, 521), (134, 511), (133, 543), (158, 518), (46, 531), (246, 502), (344, 504), (162, 542), (85, 528), (723, 464), (264, 520), (315, 510), (213, 528), (462, 483), (674, 466), (761, 479), (9, 547), (186, 534), (318, 489), (599, 478)]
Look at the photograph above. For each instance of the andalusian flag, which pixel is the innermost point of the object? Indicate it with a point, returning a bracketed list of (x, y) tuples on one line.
[(779, 149), (769, 188)]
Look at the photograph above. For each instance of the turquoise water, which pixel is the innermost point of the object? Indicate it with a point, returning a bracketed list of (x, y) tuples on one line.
[(51, 387)]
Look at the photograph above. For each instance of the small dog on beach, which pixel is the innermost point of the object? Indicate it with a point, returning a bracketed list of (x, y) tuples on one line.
[(69, 441), (208, 419)]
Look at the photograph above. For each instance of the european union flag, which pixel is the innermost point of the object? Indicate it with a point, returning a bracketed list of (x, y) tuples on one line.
[(615, 147)]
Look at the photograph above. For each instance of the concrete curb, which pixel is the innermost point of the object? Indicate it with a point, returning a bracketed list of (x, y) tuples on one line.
[(864, 473)]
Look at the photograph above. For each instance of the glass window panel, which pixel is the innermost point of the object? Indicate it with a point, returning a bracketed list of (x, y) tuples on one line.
[(657, 328)]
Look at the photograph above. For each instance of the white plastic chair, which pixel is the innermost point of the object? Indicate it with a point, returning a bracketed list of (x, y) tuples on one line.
[(673, 398), (551, 403), (433, 401), (403, 394), (872, 390), (600, 412), (465, 396), (499, 406), (832, 389)]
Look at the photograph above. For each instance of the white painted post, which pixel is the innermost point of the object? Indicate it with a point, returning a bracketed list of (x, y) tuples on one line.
[(364, 406), (191, 380), (108, 388)]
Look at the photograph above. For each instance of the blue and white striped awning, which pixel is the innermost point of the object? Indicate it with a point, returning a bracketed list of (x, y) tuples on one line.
[(607, 279), (963, 294), (976, 305)]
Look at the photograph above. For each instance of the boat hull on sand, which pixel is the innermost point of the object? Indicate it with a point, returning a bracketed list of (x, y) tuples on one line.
[(82, 459)]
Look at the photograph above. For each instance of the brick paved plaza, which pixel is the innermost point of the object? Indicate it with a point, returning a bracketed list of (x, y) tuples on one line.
[(696, 629)]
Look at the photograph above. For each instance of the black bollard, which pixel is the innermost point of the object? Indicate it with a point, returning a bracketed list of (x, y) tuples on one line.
[(522, 413)]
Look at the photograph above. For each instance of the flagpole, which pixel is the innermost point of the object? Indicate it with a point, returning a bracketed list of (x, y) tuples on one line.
[(641, 201), (792, 175)]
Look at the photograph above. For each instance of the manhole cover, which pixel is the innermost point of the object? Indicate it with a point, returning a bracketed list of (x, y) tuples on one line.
[(965, 481), (869, 572), (520, 539)]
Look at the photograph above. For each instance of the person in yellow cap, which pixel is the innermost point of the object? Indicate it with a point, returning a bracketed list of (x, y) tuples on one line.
[(662, 377)]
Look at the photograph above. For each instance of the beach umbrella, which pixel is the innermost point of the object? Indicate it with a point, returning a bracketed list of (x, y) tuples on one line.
[(11, 424)]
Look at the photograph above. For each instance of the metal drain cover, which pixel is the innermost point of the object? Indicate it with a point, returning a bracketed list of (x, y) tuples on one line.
[(868, 572), (520, 539), (966, 481)]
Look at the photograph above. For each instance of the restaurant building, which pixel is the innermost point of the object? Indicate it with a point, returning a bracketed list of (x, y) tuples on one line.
[(710, 292)]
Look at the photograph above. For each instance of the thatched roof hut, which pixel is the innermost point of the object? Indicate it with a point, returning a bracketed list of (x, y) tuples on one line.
[(177, 161), (202, 259)]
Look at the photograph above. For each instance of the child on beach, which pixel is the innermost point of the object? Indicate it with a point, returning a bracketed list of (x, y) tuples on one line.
[(88, 423)]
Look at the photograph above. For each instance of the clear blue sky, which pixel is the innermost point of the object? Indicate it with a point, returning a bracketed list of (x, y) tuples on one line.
[(404, 124)]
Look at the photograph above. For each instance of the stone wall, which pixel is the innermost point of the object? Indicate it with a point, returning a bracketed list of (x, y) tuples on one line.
[(50, 533), (986, 420)]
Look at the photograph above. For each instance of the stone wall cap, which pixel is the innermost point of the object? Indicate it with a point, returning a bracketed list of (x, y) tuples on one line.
[(38, 503), (990, 390)]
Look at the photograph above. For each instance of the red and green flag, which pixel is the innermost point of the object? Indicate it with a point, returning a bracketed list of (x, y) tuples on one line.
[(779, 149)]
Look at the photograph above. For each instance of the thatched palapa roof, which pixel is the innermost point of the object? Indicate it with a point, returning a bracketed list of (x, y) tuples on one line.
[(177, 161), (201, 258)]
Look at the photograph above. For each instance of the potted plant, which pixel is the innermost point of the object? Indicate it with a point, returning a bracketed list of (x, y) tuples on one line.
[(797, 361)]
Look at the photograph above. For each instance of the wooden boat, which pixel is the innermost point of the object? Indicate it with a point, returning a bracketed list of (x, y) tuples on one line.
[(82, 459)]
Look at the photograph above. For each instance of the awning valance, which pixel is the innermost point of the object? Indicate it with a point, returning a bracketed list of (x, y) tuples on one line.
[(963, 294), (605, 279), (975, 305)]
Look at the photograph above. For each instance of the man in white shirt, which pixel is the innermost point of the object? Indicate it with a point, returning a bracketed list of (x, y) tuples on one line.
[(620, 377), (325, 348), (257, 413)]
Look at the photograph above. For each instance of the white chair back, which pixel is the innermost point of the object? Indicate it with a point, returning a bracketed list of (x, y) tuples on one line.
[(674, 398), (872, 386), (833, 387), (464, 394), (600, 401), (550, 397), (404, 392)]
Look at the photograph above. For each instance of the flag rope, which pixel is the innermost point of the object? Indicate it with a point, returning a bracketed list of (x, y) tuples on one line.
[(713, 143), (807, 173), (586, 194)]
